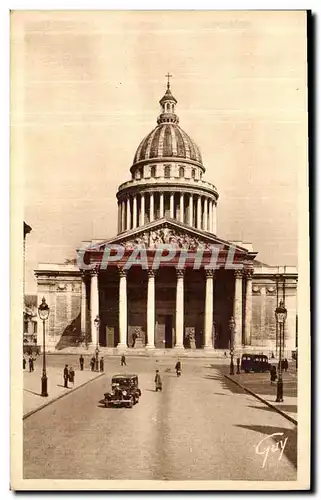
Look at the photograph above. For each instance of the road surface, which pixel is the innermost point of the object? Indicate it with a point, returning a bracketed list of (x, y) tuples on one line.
[(200, 427)]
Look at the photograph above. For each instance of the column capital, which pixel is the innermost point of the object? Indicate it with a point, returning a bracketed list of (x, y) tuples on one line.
[(151, 273), (180, 273), (122, 272), (93, 272), (209, 273), (248, 273), (238, 273)]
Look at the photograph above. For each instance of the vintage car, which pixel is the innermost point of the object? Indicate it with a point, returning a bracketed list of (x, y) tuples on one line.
[(255, 363), (124, 391)]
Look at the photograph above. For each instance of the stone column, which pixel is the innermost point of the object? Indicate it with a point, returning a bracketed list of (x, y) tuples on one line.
[(151, 207), (161, 205), (151, 310), (122, 309), (237, 309), (94, 305), (119, 217), (214, 219), (128, 214), (208, 317), (83, 319), (171, 205), (199, 213), (134, 211), (248, 307), (190, 210), (205, 216), (181, 207), (210, 215), (142, 209), (179, 330), (123, 216)]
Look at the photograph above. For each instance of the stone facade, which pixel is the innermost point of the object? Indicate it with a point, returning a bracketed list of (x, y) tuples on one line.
[(167, 202)]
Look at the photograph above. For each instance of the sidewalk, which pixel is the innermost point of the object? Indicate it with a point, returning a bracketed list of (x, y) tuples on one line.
[(259, 384), (32, 399)]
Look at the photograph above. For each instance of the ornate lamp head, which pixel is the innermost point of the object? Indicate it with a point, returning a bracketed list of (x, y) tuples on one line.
[(43, 310)]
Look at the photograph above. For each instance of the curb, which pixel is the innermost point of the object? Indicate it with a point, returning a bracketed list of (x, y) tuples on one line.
[(60, 396), (267, 403)]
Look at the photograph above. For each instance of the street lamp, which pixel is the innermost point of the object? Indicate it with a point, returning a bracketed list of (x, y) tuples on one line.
[(232, 332), (280, 316), (97, 323), (43, 311)]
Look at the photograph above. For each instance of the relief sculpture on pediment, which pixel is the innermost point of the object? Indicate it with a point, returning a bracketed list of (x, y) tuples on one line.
[(164, 236)]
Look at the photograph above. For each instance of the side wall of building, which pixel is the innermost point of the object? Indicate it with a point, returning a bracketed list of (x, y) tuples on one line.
[(63, 296)]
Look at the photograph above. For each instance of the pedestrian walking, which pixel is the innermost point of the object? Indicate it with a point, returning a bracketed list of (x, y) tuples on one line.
[(158, 381), (81, 362), (225, 355), (238, 361), (178, 368), (101, 364), (92, 364), (286, 365), (31, 364), (123, 360), (71, 376), (66, 376), (24, 363), (273, 375)]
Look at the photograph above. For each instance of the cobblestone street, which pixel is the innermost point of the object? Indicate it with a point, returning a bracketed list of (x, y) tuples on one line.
[(200, 427)]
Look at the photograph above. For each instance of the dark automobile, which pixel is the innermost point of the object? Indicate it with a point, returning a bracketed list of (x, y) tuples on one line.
[(124, 391), (255, 363)]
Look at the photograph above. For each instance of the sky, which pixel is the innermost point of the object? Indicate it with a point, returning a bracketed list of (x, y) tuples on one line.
[(85, 91)]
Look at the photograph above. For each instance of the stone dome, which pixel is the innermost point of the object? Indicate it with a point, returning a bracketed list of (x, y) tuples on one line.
[(168, 140)]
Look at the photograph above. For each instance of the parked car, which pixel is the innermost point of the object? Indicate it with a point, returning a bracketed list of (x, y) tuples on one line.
[(255, 363), (124, 391)]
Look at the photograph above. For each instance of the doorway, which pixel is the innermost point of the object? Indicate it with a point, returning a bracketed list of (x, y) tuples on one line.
[(168, 331)]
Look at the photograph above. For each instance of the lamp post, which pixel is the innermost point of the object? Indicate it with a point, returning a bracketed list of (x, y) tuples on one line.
[(232, 332), (97, 323), (43, 311), (280, 316)]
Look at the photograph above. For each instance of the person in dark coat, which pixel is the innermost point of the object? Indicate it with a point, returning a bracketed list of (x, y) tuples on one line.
[(286, 365), (158, 381), (238, 361), (31, 365), (101, 364), (134, 337), (81, 362), (273, 375), (66, 376), (123, 360), (24, 363), (92, 364), (71, 376), (178, 368)]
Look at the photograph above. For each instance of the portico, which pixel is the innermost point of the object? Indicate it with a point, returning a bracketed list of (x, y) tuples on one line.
[(168, 307)]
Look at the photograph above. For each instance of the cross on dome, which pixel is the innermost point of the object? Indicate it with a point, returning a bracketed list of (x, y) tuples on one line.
[(168, 76)]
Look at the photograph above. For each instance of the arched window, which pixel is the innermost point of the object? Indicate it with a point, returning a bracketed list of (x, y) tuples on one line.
[(137, 174), (167, 171), (153, 171), (168, 107), (201, 175), (181, 172), (193, 173)]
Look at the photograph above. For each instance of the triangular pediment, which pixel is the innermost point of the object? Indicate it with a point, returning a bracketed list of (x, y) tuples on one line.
[(168, 232)]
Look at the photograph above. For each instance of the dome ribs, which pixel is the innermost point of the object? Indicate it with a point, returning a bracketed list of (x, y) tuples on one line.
[(144, 150), (154, 145), (180, 143), (168, 146)]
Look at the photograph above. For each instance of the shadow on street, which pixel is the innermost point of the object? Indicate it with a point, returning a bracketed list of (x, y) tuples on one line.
[(290, 449)]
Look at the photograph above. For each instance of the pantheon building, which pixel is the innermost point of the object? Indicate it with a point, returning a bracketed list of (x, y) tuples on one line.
[(147, 297)]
